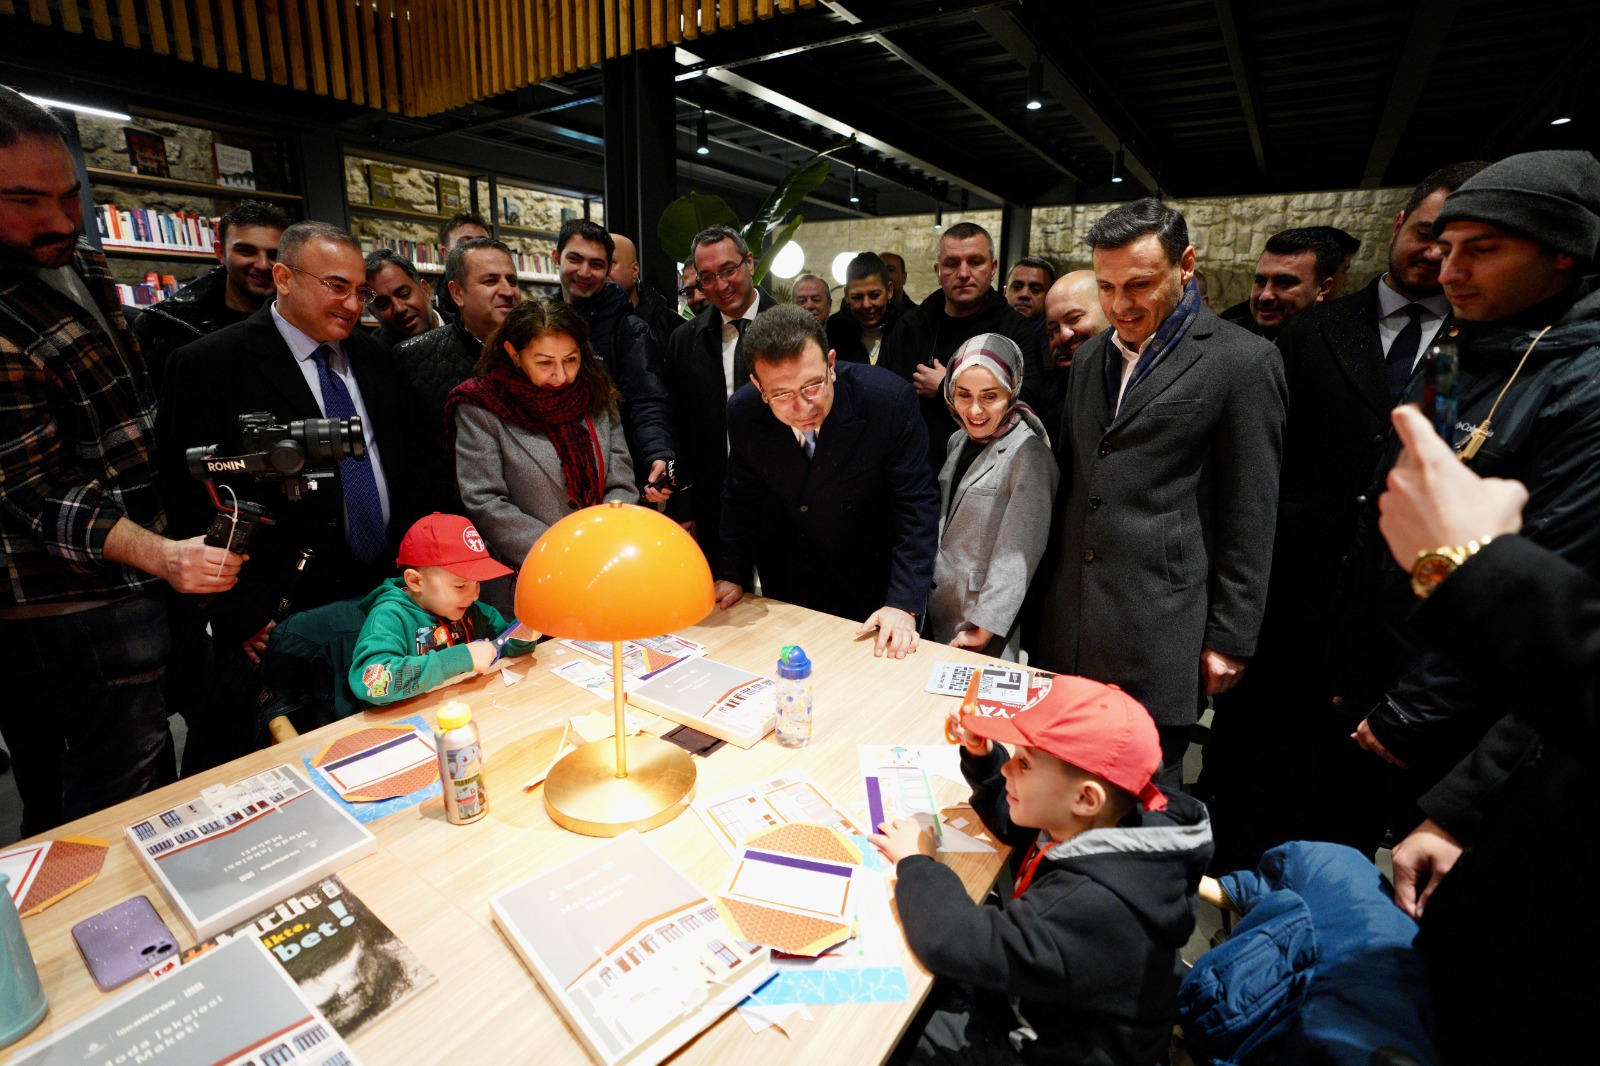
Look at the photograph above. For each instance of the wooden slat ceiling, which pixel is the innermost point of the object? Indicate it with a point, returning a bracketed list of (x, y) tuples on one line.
[(411, 57)]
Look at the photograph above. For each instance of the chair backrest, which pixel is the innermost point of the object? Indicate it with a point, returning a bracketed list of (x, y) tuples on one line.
[(305, 669)]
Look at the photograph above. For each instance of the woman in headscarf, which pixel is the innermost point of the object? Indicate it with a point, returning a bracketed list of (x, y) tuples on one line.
[(996, 490), (537, 434)]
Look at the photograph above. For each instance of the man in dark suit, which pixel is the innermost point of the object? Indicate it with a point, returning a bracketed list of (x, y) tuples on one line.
[(705, 364), (1346, 364), (1173, 434), (828, 494), (299, 357)]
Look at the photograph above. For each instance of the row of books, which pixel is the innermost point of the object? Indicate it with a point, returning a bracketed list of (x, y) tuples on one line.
[(429, 257), (154, 289), (162, 231)]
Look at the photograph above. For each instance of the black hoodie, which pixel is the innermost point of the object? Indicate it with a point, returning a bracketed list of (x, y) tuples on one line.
[(1089, 953), (197, 310), (635, 360)]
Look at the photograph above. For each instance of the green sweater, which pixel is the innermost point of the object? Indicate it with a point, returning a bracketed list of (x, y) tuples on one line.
[(390, 663)]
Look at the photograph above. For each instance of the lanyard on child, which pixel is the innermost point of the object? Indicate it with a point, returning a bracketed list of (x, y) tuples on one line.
[(1030, 863)]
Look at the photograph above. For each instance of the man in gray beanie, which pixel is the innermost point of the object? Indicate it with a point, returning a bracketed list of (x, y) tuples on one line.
[(1516, 241)]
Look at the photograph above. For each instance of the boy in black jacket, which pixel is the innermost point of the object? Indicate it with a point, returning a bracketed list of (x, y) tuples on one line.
[(1087, 948)]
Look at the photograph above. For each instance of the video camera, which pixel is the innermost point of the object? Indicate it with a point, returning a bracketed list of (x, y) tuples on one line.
[(296, 457)]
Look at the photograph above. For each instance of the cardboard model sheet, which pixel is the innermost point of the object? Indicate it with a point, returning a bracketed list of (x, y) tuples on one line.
[(237, 849), (632, 951), (229, 1007)]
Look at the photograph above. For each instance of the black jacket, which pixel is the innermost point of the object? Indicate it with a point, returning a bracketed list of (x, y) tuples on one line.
[(434, 363), (1522, 624), (1546, 434), (197, 310), (854, 528), (926, 333), (699, 393), (844, 336), (660, 313), (633, 357), (1091, 948), (248, 367)]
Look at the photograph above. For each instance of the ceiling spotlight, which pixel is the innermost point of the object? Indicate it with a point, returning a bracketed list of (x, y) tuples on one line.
[(938, 214), (1036, 86), (1116, 167), (855, 186), (702, 136)]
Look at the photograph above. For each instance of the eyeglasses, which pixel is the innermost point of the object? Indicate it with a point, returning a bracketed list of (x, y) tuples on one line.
[(725, 275), (788, 397), (338, 288)]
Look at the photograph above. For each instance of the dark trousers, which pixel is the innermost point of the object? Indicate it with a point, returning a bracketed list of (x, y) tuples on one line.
[(958, 1026), (84, 714)]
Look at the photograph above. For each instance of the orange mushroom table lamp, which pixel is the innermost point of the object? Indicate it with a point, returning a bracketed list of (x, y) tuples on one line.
[(616, 572)]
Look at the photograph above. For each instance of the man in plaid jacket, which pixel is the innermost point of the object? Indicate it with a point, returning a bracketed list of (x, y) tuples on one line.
[(82, 556)]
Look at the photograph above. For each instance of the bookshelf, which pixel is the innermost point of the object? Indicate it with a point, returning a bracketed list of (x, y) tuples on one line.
[(168, 179), (399, 204)]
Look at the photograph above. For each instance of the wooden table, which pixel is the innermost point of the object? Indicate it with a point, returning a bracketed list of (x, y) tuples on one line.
[(431, 881)]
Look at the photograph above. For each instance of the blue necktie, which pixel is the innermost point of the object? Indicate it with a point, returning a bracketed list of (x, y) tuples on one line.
[(363, 510), (810, 442), (1402, 357)]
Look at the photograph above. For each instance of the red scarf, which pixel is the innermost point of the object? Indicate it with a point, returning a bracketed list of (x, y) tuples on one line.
[(560, 414)]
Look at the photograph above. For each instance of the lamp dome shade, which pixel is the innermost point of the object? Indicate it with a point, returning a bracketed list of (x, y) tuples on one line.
[(614, 572)]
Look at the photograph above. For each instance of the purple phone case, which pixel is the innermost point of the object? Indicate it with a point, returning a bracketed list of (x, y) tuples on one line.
[(123, 942)]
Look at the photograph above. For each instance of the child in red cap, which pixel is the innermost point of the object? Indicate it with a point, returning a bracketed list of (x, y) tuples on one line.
[(1086, 950), (427, 628)]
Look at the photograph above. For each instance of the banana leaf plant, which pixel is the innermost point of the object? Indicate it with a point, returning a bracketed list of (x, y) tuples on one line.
[(766, 233)]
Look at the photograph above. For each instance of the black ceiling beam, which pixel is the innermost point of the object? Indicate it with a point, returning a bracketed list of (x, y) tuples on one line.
[(701, 93), (821, 33), (1009, 34), (1242, 81), (1430, 22), (504, 117), (963, 95)]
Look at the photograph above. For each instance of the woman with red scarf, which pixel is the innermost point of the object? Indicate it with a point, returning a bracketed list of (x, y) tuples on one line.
[(537, 434)]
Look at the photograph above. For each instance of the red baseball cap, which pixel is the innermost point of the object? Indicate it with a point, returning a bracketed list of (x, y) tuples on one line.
[(450, 541), (1094, 726)]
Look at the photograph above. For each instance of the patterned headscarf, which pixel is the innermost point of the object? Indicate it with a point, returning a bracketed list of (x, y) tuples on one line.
[(1000, 356)]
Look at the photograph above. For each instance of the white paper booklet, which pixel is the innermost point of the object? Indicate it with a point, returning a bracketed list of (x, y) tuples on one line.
[(633, 952)]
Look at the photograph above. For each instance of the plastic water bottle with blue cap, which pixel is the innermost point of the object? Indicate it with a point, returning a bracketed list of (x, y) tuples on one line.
[(792, 697)]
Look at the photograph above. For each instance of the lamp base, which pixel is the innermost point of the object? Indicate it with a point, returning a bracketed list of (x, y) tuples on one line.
[(584, 794)]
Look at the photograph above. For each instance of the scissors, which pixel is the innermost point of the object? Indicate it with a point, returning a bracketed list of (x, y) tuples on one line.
[(969, 705)]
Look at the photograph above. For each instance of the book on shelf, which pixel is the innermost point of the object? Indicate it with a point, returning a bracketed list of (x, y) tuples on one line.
[(634, 954), (232, 1005), (380, 186), (235, 849), (715, 698), (449, 194), (340, 954), (236, 167), (147, 152)]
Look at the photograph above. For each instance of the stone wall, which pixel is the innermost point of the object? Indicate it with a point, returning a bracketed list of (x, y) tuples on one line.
[(1228, 234)]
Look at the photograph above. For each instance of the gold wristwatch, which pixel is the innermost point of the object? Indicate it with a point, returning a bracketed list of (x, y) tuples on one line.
[(1433, 565)]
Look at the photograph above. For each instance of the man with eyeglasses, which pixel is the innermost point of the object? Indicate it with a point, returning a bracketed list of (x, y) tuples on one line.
[(299, 357), (232, 291), (705, 365), (480, 280), (828, 494), (86, 562)]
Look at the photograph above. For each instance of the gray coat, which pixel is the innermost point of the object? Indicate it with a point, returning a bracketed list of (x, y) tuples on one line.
[(992, 531), (1166, 534), (511, 483)]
